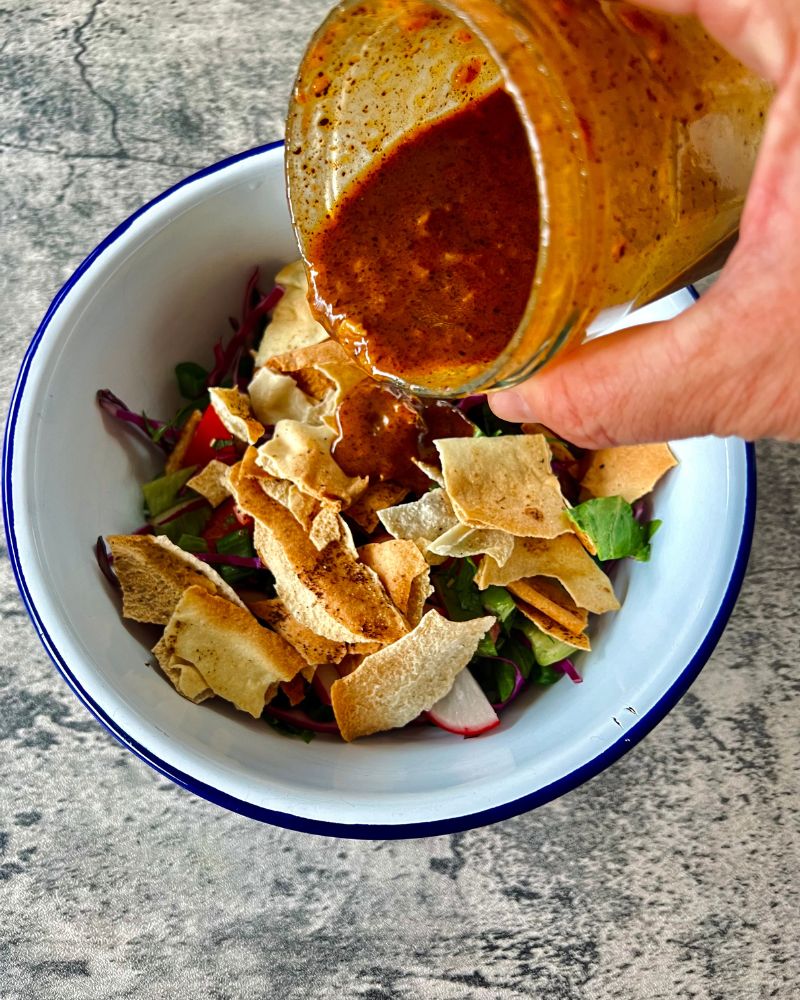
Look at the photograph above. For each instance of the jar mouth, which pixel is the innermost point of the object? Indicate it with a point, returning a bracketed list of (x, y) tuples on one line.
[(522, 352)]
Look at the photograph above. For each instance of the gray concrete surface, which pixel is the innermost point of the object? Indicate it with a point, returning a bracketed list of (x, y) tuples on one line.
[(673, 875)]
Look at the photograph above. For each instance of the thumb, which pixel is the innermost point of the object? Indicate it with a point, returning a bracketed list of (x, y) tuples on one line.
[(651, 383)]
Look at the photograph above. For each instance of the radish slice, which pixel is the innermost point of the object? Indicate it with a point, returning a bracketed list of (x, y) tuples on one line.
[(465, 709), (323, 678)]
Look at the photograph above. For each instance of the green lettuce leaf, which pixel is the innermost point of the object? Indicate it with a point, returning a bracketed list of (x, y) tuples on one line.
[(616, 533), (160, 494), (546, 649), (498, 602)]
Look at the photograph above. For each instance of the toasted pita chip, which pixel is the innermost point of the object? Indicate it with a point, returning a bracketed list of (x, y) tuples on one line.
[(250, 468), (431, 471), (324, 370), (376, 497), (302, 455), (154, 573), (391, 687), (329, 591), (558, 448), (314, 649), (350, 663), (427, 518), (504, 483), (562, 558), (175, 460), (461, 541), (186, 679), (403, 571), (238, 659), (277, 397), (295, 689), (234, 410), (328, 526), (293, 324), (552, 628), (304, 508), (549, 597), (630, 471), (362, 649), (212, 483)]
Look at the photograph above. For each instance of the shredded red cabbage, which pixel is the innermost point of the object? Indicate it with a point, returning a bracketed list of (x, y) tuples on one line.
[(519, 683), (470, 402), (568, 667), (297, 717), (227, 359), (105, 560), (114, 407), (222, 559)]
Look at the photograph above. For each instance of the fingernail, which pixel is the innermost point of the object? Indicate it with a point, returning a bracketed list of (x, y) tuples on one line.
[(512, 405)]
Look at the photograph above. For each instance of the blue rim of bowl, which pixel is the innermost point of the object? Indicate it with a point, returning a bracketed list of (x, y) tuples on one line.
[(360, 831)]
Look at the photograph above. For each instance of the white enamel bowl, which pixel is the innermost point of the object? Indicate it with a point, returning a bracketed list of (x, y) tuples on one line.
[(158, 291)]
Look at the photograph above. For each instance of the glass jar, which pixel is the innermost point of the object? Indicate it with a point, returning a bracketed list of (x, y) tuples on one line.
[(643, 135)]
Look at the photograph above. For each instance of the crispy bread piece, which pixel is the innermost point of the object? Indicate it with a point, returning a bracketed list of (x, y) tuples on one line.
[(314, 649), (240, 660), (630, 471), (504, 483), (212, 482), (154, 573), (301, 454), (330, 592), (292, 324), (562, 558), (391, 687), (234, 410), (404, 573), (461, 541), (277, 397), (377, 497), (553, 628), (549, 597), (175, 460)]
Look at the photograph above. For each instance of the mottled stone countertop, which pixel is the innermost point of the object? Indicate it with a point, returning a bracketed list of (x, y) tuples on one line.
[(673, 875)]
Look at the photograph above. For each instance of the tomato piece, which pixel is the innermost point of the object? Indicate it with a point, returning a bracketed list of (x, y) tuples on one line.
[(201, 448), (223, 521)]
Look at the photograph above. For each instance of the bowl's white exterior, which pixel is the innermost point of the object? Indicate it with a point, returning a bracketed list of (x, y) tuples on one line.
[(158, 291)]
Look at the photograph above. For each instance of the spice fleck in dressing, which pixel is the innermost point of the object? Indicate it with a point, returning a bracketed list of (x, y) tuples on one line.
[(427, 262)]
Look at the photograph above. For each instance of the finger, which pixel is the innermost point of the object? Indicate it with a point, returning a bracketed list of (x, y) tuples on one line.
[(656, 382), (763, 35)]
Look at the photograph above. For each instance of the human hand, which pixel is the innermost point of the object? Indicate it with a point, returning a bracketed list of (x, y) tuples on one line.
[(730, 364)]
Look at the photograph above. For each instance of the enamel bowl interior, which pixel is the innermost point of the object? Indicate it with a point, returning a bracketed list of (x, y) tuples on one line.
[(159, 291)]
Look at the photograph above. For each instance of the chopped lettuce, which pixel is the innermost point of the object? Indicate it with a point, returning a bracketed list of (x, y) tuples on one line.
[(455, 587), (190, 522), (160, 494), (546, 649), (498, 602), (236, 543), (487, 647), (616, 533), (191, 379), (522, 655), (192, 543)]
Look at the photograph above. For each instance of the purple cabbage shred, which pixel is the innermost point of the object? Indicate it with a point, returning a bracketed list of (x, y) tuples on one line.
[(568, 667), (221, 559), (114, 407)]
